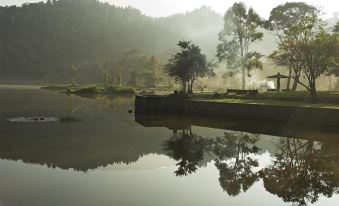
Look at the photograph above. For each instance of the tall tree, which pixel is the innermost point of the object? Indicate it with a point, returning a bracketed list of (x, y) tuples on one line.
[(188, 65), (290, 23), (240, 31), (318, 57), (305, 47)]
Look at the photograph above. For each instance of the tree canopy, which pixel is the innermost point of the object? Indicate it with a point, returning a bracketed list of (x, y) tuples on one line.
[(188, 65), (240, 31), (305, 47)]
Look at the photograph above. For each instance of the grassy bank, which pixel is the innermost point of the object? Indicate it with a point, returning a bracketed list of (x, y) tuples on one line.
[(301, 99)]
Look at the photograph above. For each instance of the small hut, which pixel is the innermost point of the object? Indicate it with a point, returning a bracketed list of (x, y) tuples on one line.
[(278, 77)]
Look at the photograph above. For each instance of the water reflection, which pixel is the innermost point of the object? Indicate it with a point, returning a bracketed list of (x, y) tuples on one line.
[(98, 136), (300, 169), (238, 174), (187, 148), (116, 103), (303, 170), (300, 172)]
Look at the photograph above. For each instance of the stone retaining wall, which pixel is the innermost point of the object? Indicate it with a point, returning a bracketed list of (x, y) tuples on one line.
[(173, 105)]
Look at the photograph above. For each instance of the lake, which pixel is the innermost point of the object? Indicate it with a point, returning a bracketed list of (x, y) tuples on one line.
[(97, 152)]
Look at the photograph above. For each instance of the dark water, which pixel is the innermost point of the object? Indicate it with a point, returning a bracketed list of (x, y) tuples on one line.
[(97, 153)]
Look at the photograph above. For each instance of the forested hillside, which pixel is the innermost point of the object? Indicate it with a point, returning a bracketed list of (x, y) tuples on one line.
[(40, 42)]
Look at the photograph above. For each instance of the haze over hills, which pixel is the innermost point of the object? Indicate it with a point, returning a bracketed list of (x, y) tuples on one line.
[(39, 41), (201, 26)]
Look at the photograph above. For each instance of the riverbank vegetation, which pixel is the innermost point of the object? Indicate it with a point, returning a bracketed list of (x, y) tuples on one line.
[(91, 89)]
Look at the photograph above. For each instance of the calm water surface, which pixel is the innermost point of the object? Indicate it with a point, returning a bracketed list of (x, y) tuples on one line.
[(97, 153)]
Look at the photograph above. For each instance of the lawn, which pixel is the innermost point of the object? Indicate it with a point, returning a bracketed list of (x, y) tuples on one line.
[(300, 99)]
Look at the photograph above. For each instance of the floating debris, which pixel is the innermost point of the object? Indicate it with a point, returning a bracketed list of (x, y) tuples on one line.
[(33, 119)]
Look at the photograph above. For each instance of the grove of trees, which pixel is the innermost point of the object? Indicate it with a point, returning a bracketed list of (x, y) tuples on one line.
[(305, 47)]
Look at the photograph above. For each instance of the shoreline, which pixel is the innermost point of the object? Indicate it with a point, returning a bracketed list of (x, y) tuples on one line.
[(157, 105)]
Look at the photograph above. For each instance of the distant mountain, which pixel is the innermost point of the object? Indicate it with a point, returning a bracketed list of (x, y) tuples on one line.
[(39, 41)]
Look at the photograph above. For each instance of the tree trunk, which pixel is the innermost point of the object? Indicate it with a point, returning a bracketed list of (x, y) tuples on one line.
[(289, 78), (294, 86), (184, 85), (295, 82), (242, 63), (313, 90), (243, 78), (191, 86)]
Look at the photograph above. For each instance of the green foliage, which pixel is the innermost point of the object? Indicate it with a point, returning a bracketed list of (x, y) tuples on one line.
[(290, 23), (40, 40), (252, 61), (86, 90), (288, 19), (240, 30), (188, 65), (304, 45), (336, 28), (102, 90)]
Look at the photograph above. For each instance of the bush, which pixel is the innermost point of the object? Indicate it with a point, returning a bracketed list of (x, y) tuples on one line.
[(86, 90)]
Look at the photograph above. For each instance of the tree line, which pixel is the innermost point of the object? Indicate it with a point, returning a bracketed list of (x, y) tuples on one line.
[(306, 47), (40, 41)]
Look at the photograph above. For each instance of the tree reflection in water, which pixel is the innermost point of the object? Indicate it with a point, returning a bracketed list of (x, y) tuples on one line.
[(301, 170), (233, 161), (187, 148)]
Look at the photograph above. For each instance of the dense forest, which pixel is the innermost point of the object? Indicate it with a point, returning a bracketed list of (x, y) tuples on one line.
[(61, 41), (42, 42)]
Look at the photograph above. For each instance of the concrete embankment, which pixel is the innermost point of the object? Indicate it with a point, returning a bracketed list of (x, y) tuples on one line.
[(175, 105)]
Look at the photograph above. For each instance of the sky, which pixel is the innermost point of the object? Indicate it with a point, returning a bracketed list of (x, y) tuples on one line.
[(160, 8)]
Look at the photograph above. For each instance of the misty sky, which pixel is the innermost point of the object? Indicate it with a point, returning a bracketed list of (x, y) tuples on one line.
[(167, 7)]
